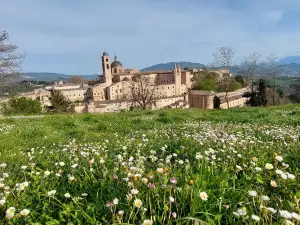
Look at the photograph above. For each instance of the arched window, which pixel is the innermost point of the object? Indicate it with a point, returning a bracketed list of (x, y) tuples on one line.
[(107, 66), (116, 70)]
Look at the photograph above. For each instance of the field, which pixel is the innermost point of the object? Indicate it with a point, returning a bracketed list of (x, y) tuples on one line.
[(239, 166)]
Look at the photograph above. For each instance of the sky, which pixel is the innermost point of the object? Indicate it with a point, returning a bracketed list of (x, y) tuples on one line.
[(70, 36)]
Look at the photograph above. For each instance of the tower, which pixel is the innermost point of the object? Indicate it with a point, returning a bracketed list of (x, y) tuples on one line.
[(177, 78), (106, 68)]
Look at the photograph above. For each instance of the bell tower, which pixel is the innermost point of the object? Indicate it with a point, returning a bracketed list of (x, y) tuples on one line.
[(106, 68), (177, 78)]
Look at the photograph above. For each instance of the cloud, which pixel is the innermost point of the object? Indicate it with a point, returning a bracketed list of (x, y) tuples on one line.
[(145, 32)]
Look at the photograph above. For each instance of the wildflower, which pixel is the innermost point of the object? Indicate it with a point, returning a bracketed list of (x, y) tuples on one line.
[(25, 212), (265, 198), (151, 186), (51, 193), (71, 178), (47, 173), (269, 166), (174, 215), (121, 212), (257, 168), (3, 165), (10, 213), (74, 166), (256, 218), (273, 184), (171, 199), (271, 210), (144, 180), (138, 203), (291, 176), (160, 170), (242, 211), (129, 197), (2, 201), (254, 159), (67, 195), (191, 182), (173, 180), (5, 175), (84, 194), (279, 172), (252, 193), (284, 176), (23, 167), (61, 163), (102, 161), (288, 222), (203, 196), (116, 201), (296, 216), (134, 191), (285, 214), (279, 158), (108, 204), (147, 222), (198, 156), (239, 167), (180, 162)]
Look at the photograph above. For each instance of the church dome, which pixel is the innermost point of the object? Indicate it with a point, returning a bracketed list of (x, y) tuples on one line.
[(105, 54), (116, 64)]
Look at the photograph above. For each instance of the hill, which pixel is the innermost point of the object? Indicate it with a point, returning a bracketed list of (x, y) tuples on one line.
[(45, 76), (165, 165), (289, 60), (170, 66)]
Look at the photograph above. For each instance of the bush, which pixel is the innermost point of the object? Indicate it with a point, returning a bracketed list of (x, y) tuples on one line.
[(60, 103), (20, 105)]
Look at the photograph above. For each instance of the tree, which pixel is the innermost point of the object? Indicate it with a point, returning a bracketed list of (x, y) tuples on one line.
[(60, 103), (208, 84), (20, 105), (270, 69), (295, 96), (224, 58), (10, 60), (250, 67), (143, 91), (217, 102), (241, 80), (262, 93), (76, 80)]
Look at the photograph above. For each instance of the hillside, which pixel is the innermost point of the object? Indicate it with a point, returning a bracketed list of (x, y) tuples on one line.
[(151, 167), (290, 60)]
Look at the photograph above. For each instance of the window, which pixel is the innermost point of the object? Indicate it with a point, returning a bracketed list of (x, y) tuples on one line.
[(107, 66), (115, 70), (106, 60)]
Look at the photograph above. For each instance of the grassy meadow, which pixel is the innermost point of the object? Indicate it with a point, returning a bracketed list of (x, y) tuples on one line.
[(185, 166)]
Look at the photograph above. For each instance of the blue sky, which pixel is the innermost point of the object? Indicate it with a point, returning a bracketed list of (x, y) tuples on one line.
[(69, 36)]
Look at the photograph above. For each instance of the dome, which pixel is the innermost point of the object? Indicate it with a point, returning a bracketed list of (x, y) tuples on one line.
[(116, 64), (105, 54)]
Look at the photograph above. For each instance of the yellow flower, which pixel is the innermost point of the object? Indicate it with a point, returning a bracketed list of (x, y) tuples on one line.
[(191, 182)]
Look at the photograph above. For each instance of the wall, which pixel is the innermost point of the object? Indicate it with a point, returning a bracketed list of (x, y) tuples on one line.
[(98, 92), (76, 94)]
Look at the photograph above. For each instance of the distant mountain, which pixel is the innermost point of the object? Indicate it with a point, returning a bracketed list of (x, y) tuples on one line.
[(290, 60), (170, 66), (42, 76)]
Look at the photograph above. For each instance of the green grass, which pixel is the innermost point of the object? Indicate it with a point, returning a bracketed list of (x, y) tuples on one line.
[(118, 152)]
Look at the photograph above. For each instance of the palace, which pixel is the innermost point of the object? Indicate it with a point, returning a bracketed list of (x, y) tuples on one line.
[(111, 92)]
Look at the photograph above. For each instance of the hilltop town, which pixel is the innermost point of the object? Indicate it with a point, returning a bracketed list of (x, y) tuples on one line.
[(113, 91)]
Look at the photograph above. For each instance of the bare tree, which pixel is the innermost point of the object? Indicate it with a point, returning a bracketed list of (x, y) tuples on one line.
[(271, 69), (10, 60), (250, 67), (224, 58), (143, 91)]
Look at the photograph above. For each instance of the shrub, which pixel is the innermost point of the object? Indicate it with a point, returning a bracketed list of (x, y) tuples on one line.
[(20, 105), (60, 103)]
